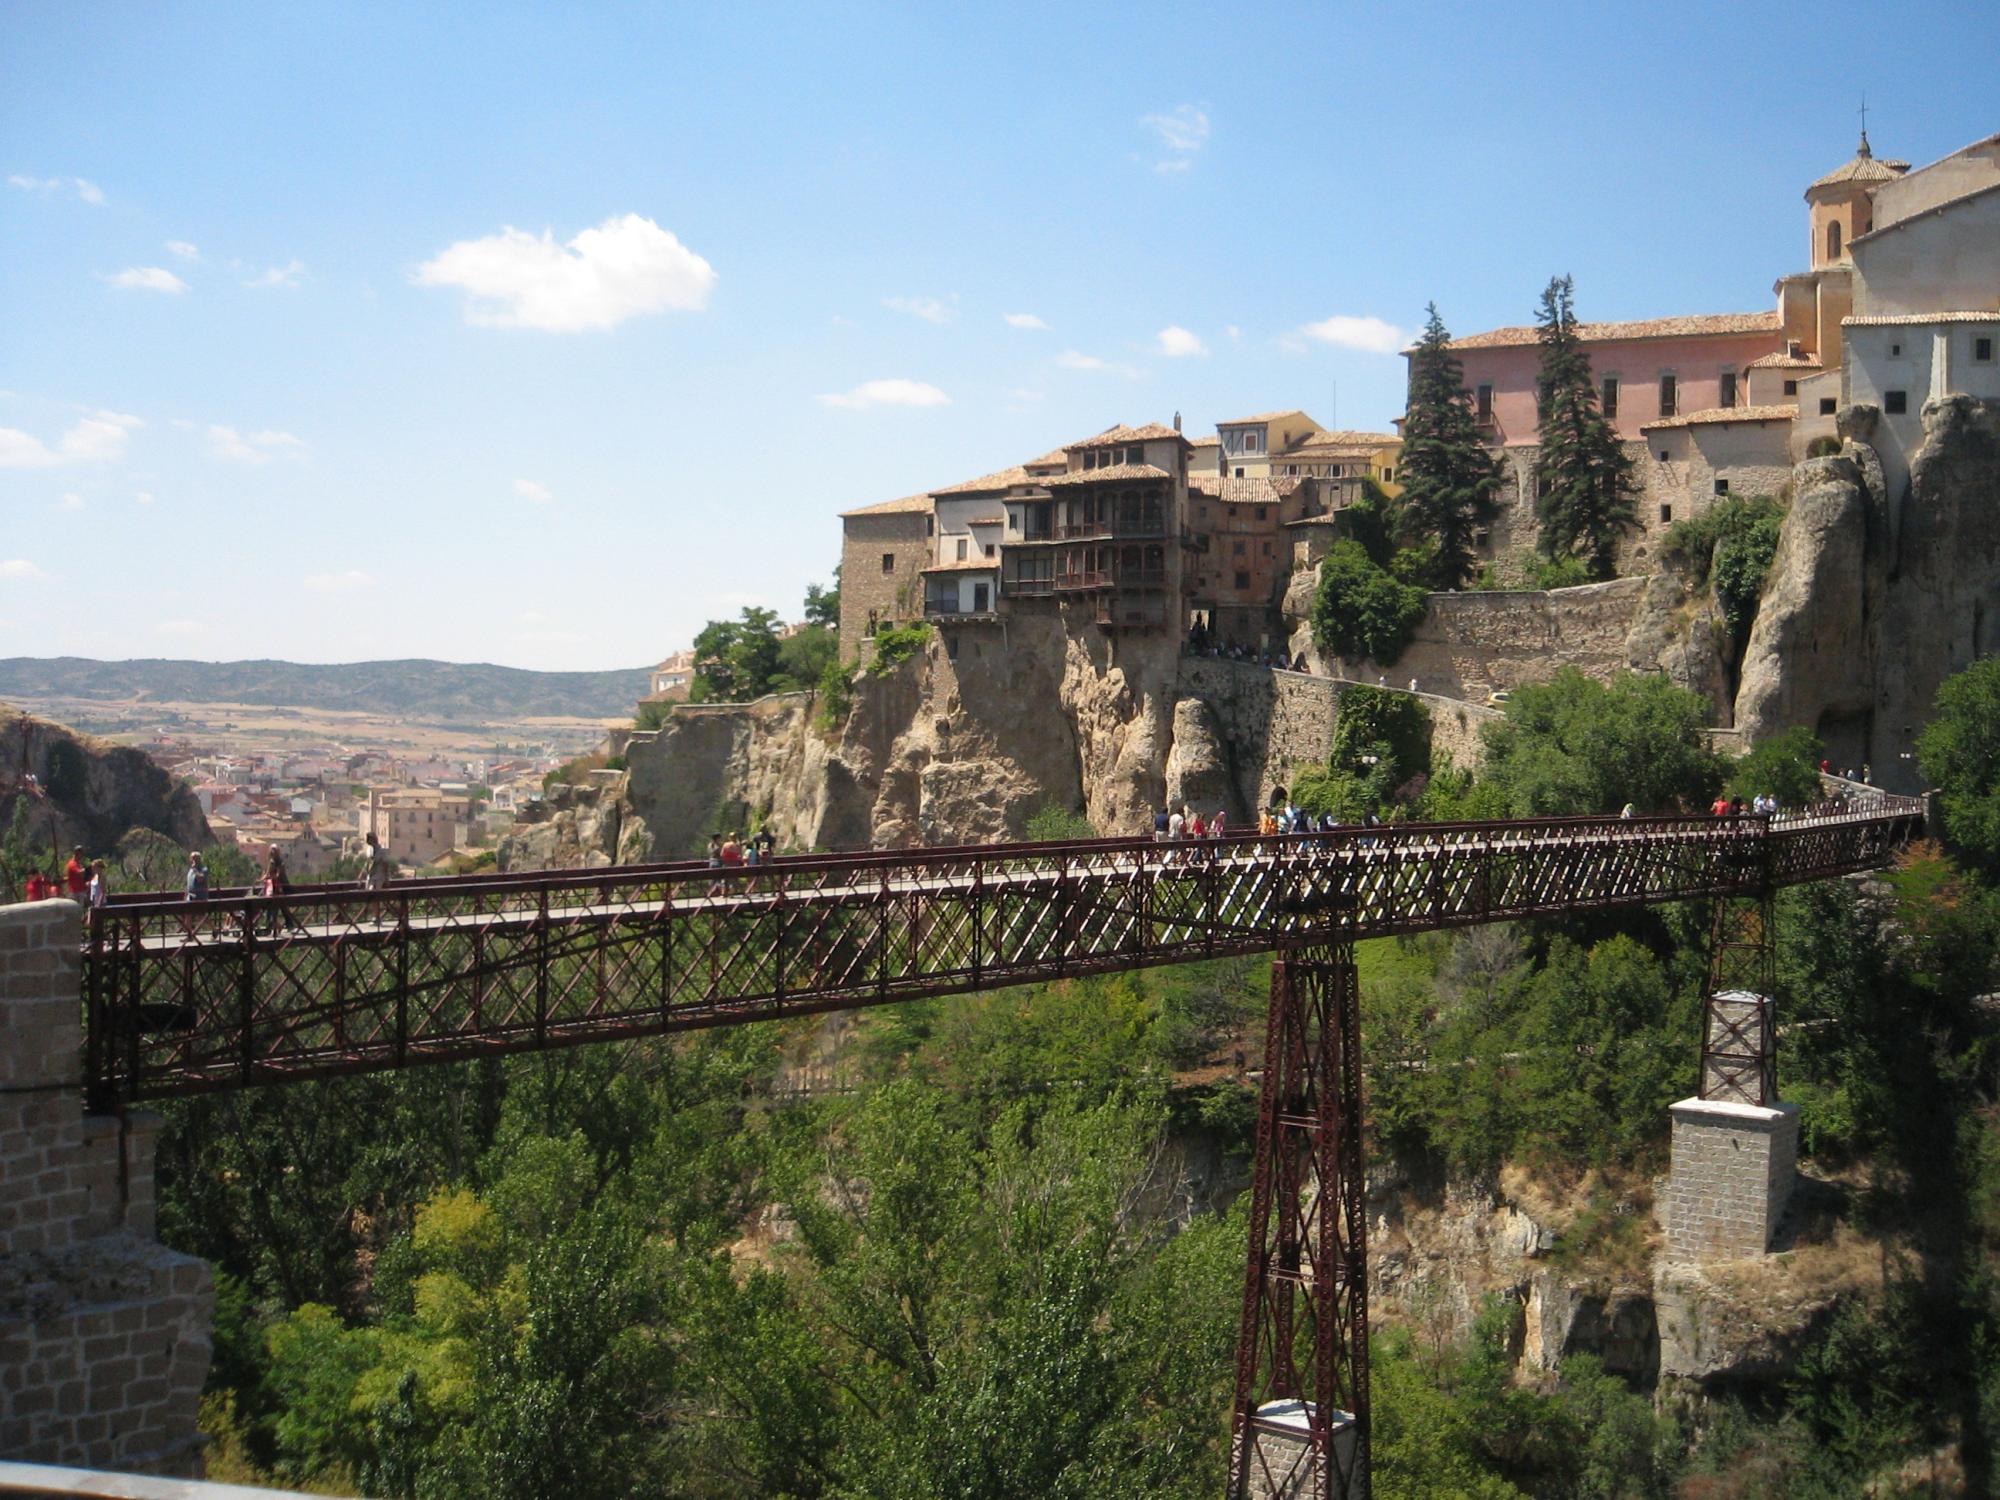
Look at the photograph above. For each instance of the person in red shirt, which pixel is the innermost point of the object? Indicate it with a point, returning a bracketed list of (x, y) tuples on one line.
[(38, 887), (76, 874), (732, 851), (1721, 808)]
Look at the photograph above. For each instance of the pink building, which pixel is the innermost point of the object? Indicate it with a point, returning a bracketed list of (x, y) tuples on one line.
[(1645, 371)]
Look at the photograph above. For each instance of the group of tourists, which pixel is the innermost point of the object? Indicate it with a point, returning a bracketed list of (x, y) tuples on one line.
[(1865, 775), (1202, 642), (81, 881)]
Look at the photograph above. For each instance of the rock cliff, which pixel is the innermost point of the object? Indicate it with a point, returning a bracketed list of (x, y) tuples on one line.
[(1876, 598), (96, 792)]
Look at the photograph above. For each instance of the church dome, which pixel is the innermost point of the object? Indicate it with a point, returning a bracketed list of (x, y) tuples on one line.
[(1862, 168)]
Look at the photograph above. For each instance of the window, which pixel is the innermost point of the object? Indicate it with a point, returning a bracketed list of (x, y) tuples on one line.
[(1833, 240), (1260, 512), (1663, 455), (1486, 403), (1609, 400), (1826, 405), (1388, 476), (1136, 454), (1334, 471), (1982, 351), (989, 549), (1895, 351), (1291, 470), (1721, 486), (1728, 393), (1238, 551), (1791, 387), (1267, 549), (1250, 441), (888, 562), (1669, 395), (1666, 514), (1243, 580), (961, 549), (1895, 403), (1239, 473)]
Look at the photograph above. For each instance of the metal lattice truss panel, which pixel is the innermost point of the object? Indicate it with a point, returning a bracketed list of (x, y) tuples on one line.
[(185, 997)]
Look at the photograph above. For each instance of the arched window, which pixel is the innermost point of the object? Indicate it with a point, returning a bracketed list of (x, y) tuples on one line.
[(1833, 240)]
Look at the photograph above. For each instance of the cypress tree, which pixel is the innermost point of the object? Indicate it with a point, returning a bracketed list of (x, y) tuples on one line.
[(1583, 478), (1450, 480)]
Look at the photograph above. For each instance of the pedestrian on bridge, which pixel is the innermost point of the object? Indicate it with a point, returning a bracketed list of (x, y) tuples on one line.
[(194, 885)]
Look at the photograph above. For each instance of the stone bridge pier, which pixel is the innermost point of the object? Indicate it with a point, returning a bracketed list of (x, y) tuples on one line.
[(1735, 1146), (104, 1333)]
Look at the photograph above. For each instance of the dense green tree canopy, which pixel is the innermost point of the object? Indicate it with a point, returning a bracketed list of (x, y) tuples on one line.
[(1360, 609), (1575, 745), (1960, 754)]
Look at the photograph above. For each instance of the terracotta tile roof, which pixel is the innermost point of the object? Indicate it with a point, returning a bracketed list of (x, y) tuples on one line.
[(1115, 474), (1347, 442), (1205, 484), (1264, 416), (1055, 458), (967, 565), (1783, 362), (1862, 167), (908, 505), (1894, 320), (1000, 479), (1152, 432), (1695, 325), (1720, 414), (1205, 442)]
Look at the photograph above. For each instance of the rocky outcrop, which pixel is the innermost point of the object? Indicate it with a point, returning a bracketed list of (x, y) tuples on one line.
[(573, 827), (1874, 599), (94, 792)]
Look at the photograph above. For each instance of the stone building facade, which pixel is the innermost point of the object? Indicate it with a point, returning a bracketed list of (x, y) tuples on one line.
[(884, 550)]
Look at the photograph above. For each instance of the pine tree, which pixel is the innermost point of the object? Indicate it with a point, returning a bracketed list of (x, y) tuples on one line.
[(1450, 480), (1583, 477)]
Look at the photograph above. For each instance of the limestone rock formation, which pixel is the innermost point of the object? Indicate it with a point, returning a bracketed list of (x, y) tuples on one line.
[(1876, 598)]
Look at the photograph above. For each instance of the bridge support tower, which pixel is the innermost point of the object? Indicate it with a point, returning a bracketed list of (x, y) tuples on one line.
[(1300, 1419), (104, 1333), (1735, 1145)]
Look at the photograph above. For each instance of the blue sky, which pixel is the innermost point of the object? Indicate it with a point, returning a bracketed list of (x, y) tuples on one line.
[(541, 334)]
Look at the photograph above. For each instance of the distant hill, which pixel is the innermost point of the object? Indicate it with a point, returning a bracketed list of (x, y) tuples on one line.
[(430, 689)]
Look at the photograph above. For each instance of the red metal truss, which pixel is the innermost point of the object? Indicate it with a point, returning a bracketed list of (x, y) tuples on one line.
[(1299, 1423), (1739, 1028), (185, 997)]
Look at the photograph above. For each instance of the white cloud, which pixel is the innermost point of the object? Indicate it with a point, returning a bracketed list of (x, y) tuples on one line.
[(1182, 132), (928, 308), (886, 393), (1024, 320), (1071, 359), (147, 279), (88, 191), (1176, 342), (289, 274), (527, 489), (70, 501), (345, 581), (1234, 332), (251, 448), (20, 570), (144, 497), (98, 438), (624, 267), (182, 249), (1369, 335)]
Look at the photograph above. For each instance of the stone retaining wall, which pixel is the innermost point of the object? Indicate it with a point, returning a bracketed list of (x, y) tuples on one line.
[(104, 1334)]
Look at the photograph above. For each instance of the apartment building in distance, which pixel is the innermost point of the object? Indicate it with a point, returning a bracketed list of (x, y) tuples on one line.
[(419, 825), (883, 551)]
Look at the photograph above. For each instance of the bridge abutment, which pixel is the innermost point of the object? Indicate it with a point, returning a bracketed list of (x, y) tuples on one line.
[(104, 1333)]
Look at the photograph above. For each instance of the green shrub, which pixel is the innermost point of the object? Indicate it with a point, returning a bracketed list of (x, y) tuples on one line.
[(1786, 766), (1823, 447), (1360, 609), (896, 645)]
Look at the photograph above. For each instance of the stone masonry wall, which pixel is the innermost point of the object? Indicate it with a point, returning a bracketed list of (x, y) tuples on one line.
[(1732, 1173), (104, 1334)]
